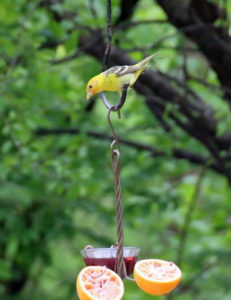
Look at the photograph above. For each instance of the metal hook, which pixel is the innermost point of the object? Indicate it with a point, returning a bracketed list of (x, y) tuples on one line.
[(116, 139), (121, 102)]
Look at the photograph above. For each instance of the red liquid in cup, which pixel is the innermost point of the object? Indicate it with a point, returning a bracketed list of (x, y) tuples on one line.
[(130, 262)]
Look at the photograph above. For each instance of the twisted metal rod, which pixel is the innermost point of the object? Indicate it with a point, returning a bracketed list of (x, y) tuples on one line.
[(120, 266), (109, 36), (115, 160)]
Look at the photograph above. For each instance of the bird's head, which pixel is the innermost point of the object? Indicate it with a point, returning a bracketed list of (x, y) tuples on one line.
[(93, 87)]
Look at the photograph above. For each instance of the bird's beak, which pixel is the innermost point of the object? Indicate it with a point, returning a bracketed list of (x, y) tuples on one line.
[(89, 94)]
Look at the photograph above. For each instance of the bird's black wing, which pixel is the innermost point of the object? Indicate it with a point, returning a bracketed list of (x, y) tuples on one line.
[(121, 70)]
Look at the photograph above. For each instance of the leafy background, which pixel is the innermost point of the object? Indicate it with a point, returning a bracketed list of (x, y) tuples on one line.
[(56, 190)]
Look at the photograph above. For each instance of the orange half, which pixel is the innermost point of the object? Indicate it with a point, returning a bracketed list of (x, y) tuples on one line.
[(99, 283), (157, 277)]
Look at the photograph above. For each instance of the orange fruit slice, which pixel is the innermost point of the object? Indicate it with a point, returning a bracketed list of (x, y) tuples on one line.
[(99, 283), (156, 277)]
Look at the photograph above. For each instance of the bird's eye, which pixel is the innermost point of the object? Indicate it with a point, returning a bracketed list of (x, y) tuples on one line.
[(90, 86)]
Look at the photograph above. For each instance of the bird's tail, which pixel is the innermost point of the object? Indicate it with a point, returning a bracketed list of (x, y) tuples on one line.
[(143, 63)]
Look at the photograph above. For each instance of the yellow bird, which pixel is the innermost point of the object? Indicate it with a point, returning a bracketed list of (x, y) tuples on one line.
[(116, 77)]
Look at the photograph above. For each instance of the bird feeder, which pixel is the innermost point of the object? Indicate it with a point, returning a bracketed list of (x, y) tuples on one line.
[(117, 258)]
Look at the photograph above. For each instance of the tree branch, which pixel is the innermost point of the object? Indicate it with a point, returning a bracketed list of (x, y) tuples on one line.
[(188, 217), (127, 25), (127, 8), (213, 42), (176, 153)]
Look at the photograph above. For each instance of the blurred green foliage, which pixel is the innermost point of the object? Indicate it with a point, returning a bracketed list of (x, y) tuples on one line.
[(56, 191)]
